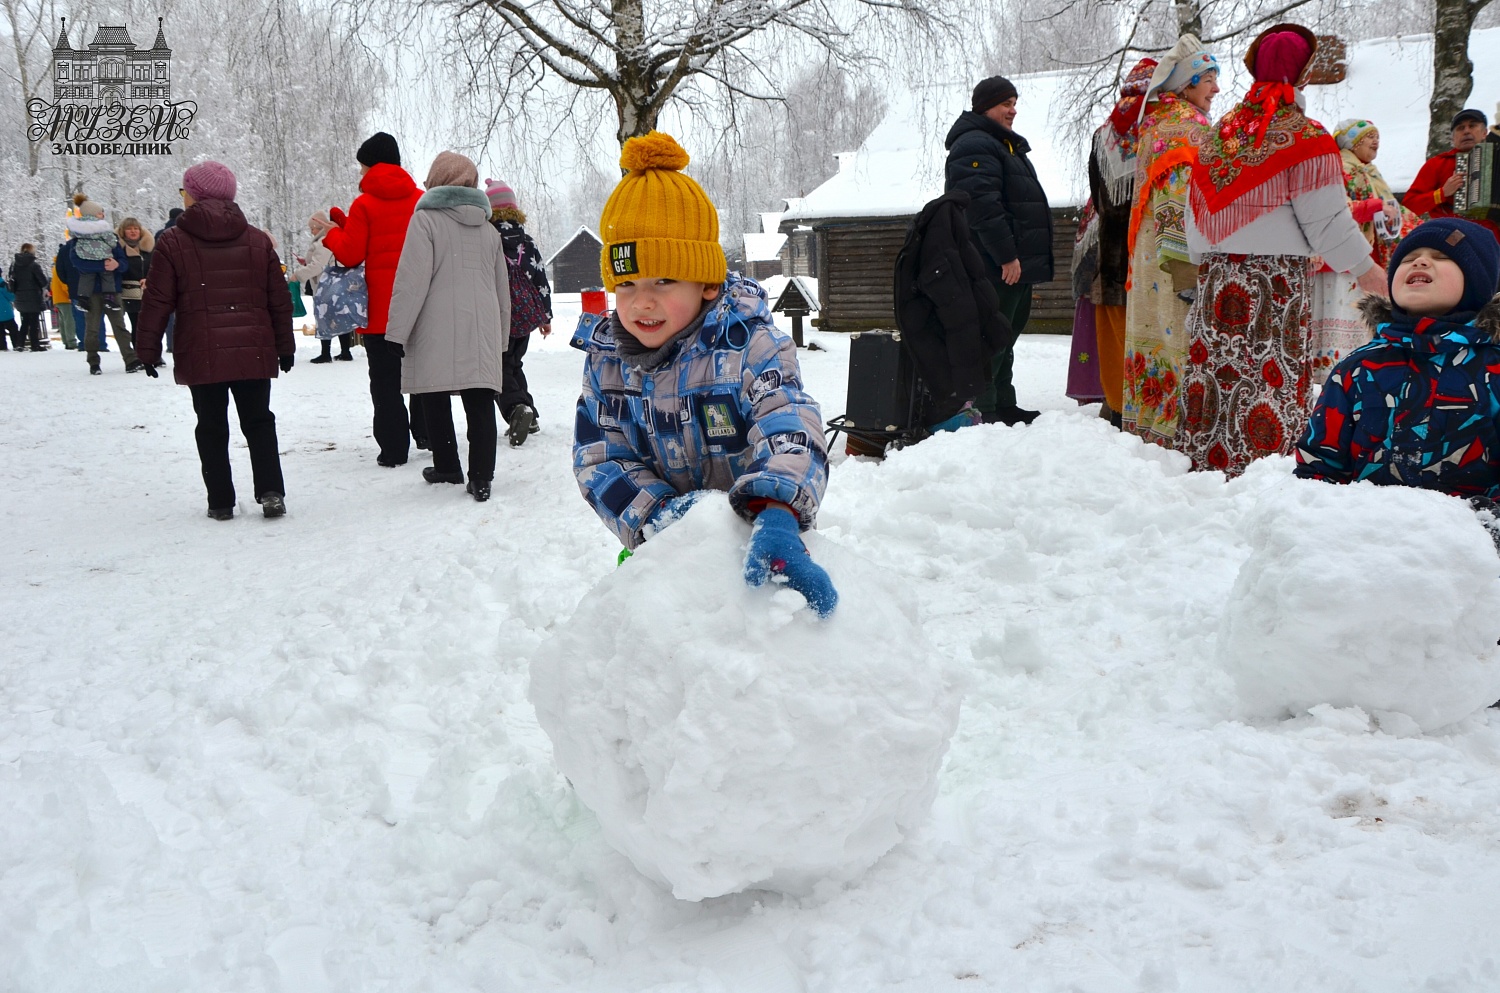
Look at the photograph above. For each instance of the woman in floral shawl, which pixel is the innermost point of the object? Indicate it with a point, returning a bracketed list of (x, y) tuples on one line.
[(1266, 195), (1112, 189), (1182, 89), (1337, 326)]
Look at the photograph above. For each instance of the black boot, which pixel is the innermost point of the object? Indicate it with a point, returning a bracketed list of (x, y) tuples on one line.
[(327, 355), (522, 423), (272, 504), (432, 475), (479, 489), (344, 354)]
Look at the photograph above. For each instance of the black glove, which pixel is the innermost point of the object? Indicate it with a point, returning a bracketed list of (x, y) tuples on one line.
[(399, 351), (287, 361), (150, 370)]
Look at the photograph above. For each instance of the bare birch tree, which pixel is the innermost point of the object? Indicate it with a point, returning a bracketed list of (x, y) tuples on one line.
[(644, 54), (1452, 72)]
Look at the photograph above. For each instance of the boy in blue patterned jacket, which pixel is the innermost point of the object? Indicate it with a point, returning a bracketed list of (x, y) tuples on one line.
[(688, 385), (1420, 404)]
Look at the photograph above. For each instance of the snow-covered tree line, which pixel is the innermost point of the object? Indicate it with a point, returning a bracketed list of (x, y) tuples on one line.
[(282, 94), (540, 92)]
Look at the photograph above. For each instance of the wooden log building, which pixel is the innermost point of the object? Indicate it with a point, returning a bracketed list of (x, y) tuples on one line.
[(857, 259), (574, 267)]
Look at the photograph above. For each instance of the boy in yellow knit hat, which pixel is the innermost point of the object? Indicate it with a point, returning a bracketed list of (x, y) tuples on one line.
[(689, 386)]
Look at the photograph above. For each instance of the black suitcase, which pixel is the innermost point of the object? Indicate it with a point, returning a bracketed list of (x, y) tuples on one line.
[(882, 383)]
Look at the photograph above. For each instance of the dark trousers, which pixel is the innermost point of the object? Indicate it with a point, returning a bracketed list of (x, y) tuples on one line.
[(1015, 304), (391, 426), (10, 328), (94, 327), (513, 378), (133, 313), (252, 399), (31, 331), (479, 408)]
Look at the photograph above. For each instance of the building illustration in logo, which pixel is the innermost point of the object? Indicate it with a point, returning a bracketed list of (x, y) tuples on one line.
[(111, 69)]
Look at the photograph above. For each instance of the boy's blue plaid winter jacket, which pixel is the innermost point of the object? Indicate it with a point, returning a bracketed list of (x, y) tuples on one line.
[(727, 412), (1417, 406)]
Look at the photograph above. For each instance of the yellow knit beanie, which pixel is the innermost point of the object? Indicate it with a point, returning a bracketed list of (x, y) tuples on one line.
[(658, 223)]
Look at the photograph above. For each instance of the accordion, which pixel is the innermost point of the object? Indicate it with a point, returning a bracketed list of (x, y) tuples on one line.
[(1478, 195)]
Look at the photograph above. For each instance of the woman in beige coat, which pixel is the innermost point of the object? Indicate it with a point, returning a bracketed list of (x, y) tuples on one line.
[(450, 318)]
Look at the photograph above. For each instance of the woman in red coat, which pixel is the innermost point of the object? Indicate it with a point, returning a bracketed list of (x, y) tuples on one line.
[(222, 279), (372, 233)]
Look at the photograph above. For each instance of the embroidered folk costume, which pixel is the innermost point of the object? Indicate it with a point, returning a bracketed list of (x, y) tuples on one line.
[(1246, 384), (1112, 171), (1338, 327), (1156, 316)]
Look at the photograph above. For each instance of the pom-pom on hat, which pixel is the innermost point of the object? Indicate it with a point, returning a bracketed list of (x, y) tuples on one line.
[(1473, 247), (209, 181), (379, 147), (658, 223), (500, 194)]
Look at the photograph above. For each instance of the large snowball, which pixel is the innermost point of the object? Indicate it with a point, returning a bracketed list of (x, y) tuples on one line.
[(728, 738), (1383, 598)]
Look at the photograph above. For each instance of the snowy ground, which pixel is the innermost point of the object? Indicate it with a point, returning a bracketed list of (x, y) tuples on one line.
[(297, 755)]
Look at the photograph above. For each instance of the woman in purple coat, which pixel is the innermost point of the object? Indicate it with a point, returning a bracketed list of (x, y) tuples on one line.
[(223, 280)]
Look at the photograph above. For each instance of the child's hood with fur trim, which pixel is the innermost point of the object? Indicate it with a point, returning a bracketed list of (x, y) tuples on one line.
[(1377, 311)]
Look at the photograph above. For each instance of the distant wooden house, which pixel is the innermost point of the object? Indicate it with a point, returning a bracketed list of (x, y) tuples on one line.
[(763, 255), (574, 267)]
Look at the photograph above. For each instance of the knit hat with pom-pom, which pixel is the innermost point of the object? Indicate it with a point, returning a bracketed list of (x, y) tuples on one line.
[(658, 223)]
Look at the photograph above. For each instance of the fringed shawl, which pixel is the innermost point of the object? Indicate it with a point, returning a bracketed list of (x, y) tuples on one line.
[(1258, 158), (1114, 142), (1169, 137)]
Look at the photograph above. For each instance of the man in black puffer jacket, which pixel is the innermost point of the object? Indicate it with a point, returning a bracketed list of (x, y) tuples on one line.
[(1008, 216)]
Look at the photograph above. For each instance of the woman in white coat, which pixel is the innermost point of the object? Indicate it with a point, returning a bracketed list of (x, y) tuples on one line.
[(450, 317)]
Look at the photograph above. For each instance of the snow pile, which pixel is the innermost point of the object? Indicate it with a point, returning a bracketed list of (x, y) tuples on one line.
[(725, 737), (1323, 611)]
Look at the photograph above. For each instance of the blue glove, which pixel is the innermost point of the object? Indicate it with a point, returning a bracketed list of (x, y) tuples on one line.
[(776, 549), (670, 511)]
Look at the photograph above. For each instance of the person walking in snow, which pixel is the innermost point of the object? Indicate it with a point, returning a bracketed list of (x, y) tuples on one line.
[(530, 307), (98, 258), (307, 272), (450, 319), (29, 282), (1009, 218), (222, 279), (689, 385), (372, 233)]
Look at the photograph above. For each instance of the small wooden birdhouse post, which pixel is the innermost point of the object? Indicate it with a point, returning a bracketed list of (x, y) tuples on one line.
[(797, 300)]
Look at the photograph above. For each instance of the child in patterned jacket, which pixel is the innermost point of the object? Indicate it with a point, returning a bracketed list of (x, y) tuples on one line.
[(1420, 404), (688, 385)]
